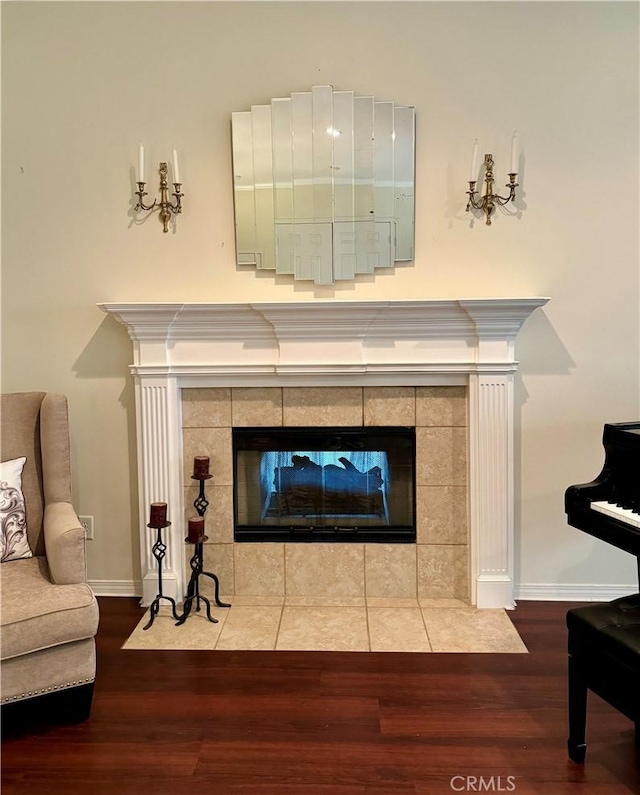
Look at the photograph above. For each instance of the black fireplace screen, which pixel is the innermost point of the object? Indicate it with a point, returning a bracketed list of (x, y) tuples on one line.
[(319, 484)]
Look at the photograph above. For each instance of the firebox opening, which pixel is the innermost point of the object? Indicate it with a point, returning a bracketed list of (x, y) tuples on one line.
[(320, 484)]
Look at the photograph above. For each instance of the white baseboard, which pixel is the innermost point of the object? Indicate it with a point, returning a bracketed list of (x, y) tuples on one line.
[(542, 592), (116, 587), (556, 592)]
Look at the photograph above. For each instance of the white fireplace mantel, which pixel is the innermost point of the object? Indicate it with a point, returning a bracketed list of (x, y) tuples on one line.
[(332, 343)]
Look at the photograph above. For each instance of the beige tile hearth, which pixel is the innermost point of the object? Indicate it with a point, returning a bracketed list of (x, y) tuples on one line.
[(471, 630), (323, 629), (197, 632), (397, 629), (382, 625), (251, 628)]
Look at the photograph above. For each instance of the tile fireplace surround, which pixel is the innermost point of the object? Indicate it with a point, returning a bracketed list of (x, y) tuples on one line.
[(200, 366)]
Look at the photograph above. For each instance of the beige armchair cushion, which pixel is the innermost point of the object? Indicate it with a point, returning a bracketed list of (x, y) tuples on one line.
[(39, 614)]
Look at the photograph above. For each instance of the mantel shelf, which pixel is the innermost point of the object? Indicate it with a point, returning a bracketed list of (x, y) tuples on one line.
[(341, 333)]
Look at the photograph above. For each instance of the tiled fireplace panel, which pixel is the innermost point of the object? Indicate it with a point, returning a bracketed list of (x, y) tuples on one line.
[(436, 566)]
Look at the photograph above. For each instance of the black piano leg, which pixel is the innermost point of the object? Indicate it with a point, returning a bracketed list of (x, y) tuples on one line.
[(576, 743)]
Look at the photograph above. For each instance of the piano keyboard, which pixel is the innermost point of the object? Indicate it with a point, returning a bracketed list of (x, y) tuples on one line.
[(625, 515)]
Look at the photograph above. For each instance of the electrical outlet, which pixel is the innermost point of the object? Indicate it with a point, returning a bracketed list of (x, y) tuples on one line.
[(87, 523)]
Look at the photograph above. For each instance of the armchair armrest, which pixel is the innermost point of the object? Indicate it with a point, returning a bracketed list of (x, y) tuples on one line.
[(64, 539)]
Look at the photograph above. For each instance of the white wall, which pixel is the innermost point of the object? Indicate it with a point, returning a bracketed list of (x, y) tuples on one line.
[(83, 83)]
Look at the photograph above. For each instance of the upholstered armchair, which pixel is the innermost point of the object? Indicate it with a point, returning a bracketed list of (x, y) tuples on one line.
[(49, 614)]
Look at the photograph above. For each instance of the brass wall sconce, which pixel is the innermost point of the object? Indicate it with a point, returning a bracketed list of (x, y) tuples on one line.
[(488, 202), (164, 205)]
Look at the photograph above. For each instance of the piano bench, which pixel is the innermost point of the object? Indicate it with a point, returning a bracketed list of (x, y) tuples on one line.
[(604, 657)]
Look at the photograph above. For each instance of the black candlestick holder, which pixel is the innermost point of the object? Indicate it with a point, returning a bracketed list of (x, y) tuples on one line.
[(201, 503), (197, 567), (193, 589), (159, 550)]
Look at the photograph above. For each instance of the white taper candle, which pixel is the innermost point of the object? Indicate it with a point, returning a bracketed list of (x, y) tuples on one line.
[(513, 168), (473, 174), (141, 163), (176, 171)]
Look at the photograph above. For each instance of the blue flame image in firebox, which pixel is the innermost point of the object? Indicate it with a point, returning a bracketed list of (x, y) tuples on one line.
[(325, 484)]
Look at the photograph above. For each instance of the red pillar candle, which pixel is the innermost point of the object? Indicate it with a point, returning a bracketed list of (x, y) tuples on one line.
[(158, 517), (201, 467), (196, 529)]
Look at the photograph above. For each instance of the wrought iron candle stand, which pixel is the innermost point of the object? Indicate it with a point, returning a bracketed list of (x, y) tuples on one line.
[(158, 521), (490, 199), (196, 536)]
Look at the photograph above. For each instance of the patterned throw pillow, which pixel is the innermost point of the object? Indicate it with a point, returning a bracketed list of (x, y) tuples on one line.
[(14, 544)]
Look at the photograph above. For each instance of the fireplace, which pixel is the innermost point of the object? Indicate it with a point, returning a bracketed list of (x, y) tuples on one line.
[(324, 484), (340, 345)]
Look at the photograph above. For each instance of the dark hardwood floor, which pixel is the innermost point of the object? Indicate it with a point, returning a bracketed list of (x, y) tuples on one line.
[(311, 723)]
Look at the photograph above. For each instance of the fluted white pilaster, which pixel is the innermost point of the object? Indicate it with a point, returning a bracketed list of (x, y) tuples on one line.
[(491, 489), (160, 472)]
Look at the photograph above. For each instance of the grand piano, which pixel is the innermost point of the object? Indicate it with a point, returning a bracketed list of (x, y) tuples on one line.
[(609, 507), (604, 638)]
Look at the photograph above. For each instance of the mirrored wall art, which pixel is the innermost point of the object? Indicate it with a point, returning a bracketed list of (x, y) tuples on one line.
[(324, 184)]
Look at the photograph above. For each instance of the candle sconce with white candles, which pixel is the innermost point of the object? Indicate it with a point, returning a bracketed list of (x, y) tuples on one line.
[(488, 202), (165, 207)]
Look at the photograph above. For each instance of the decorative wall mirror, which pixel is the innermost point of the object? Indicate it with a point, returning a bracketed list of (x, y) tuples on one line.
[(324, 184)]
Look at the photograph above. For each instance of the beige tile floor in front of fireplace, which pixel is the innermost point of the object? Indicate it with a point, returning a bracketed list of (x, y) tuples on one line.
[(347, 624)]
